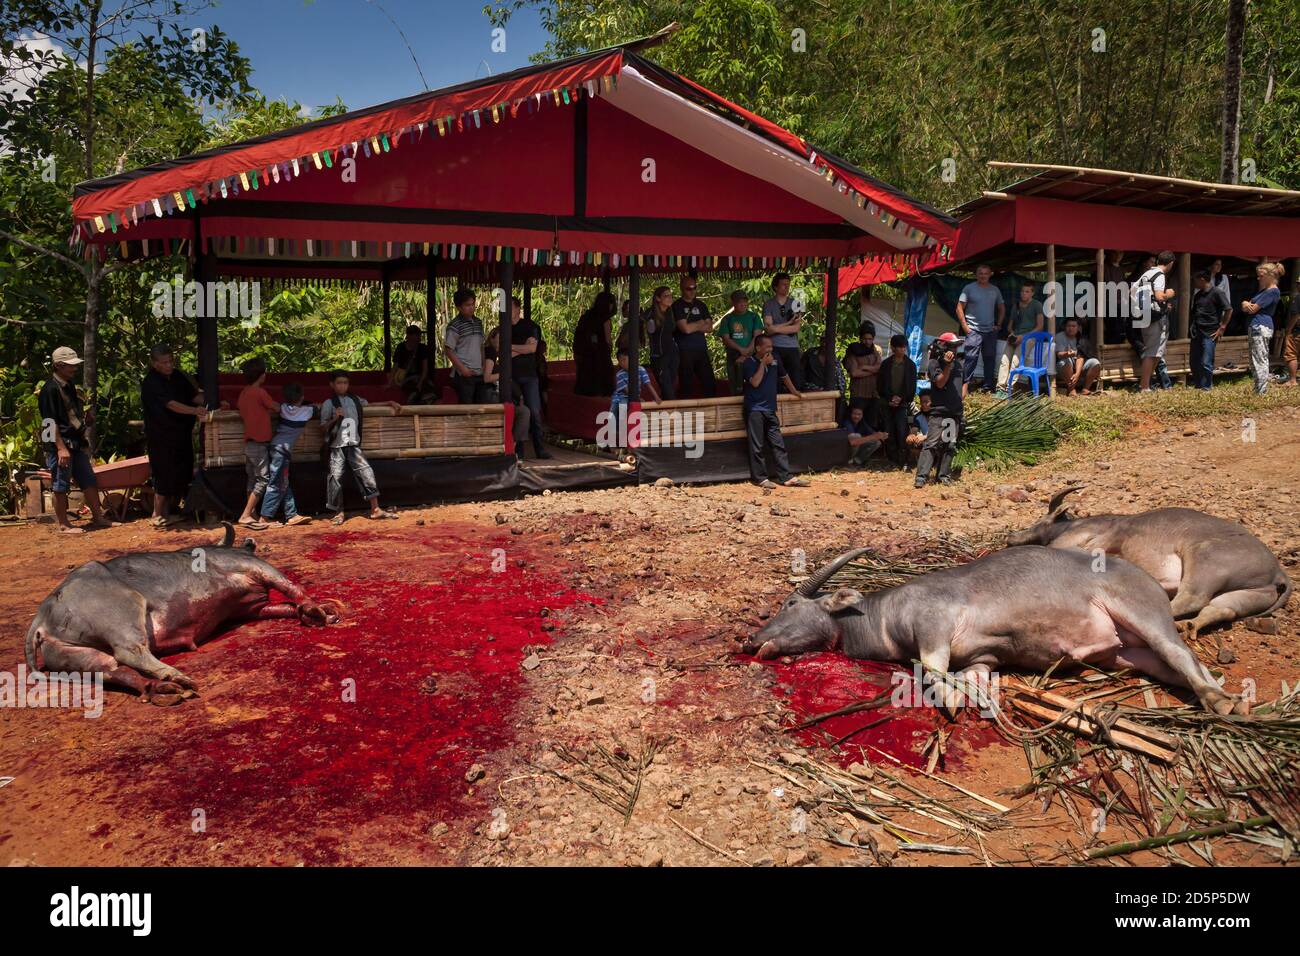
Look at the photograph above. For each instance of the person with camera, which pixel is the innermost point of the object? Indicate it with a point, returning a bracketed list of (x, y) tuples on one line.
[(945, 376)]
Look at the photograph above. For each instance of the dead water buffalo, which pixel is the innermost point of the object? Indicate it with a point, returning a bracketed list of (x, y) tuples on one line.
[(118, 616), (1215, 571), (1029, 607)]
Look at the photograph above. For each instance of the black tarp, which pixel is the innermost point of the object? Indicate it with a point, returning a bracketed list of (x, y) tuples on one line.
[(728, 460)]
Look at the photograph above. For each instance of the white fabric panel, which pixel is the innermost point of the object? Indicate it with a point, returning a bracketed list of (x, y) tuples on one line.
[(743, 150)]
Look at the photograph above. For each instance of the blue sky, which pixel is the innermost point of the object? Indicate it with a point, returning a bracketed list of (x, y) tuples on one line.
[(313, 51)]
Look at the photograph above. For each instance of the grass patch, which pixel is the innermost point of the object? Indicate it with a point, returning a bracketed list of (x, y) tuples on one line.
[(1002, 434)]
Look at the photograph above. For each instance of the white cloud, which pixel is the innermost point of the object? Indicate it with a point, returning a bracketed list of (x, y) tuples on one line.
[(18, 77)]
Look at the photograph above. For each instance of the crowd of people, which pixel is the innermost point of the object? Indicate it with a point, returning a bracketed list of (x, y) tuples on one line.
[(883, 412)]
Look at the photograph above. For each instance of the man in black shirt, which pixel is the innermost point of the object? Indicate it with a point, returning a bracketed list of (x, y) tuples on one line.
[(525, 341), (945, 416), (63, 434), (1211, 312), (171, 402), (411, 365), (692, 327)]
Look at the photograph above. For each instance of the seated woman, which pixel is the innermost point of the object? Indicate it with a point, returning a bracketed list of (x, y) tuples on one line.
[(593, 373)]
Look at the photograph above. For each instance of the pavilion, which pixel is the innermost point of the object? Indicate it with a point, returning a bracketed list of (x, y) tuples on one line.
[(602, 164), (1059, 218)]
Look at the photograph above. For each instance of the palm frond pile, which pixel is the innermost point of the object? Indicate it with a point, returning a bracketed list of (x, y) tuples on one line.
[(1003, 434)]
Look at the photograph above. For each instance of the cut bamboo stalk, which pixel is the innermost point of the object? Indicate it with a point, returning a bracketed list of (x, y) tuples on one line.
[(1085, 727), (1157, 737)]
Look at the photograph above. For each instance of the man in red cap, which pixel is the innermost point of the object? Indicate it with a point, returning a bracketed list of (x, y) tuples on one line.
[(945, 417)]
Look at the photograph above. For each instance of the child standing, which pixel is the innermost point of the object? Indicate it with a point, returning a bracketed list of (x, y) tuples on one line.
[(255, 407), (294, 416), (341, 419), (618, 402)]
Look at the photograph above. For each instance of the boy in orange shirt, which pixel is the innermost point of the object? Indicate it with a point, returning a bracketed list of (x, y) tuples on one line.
[(256, 407)]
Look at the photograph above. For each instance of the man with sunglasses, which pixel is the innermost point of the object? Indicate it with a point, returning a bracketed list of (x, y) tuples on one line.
[(693, 325)]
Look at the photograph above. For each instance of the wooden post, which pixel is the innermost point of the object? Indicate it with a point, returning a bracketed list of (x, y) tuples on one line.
[(1184, 294), (506, 271), (832, 312), (388, 324), (431, 307), (1099, 309), (1050, 307), (528, 299), (633, 334), (205, 272)]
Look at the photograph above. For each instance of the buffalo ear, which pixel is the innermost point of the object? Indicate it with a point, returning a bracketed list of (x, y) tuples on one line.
[(841, 599)]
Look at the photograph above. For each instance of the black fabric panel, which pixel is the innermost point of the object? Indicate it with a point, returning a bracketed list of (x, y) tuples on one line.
[(729, 460), (401, 482), (592, 476), (541, 222)]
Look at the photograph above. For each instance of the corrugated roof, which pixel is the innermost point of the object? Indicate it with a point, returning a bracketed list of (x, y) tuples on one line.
[(1113, 187)]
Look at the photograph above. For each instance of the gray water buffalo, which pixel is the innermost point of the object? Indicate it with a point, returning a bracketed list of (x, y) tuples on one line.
[(1028, 607), (118, 616), (1214, 570)]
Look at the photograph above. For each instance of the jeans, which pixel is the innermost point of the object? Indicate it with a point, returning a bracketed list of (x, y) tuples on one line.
[(792, 361), (697, 368), (361, 471), (862, 452), (896, 425), (1260, 337), (1202, 359), (940, 446), (257, 467), (665, 369), (765, 432), (469, 391), (278, 491), (531, 387), (981, 345), (735, 377), (79, 468)]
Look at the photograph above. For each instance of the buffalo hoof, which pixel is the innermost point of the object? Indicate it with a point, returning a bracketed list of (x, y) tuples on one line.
[(1230, 706), (165, 693)]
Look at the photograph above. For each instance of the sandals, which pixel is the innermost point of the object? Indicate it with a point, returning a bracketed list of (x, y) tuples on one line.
[(797, 483), (297, 520), (338, 519), (382, 516), (72, 529)]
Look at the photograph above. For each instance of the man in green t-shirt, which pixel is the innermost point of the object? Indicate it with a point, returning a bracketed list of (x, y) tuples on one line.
[(1026, 316), (737, 329)]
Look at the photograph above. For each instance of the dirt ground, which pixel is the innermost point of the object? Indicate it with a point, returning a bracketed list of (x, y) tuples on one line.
[(497, 659)]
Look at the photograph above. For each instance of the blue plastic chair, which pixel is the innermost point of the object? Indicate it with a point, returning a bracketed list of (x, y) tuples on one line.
[(1034, 369)]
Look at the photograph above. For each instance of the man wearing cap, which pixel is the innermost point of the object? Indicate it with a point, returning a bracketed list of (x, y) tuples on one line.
[(171, 401), (940, 445), (63, 433)]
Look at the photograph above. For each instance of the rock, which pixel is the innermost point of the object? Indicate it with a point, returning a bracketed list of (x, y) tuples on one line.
[(1261, 625), (531, 662), (419, 522), (594, 697), (676, 797), (664, 482), (796, 857), (1017, 495), (780, 511), (475, 772), (652, 857), (436, 830), (1226, 656)]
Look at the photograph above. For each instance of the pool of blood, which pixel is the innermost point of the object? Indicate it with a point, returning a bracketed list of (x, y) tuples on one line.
[(311, 732), (817, 683)]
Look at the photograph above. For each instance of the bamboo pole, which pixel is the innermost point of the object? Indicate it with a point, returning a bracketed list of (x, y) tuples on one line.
[(1183, 836)]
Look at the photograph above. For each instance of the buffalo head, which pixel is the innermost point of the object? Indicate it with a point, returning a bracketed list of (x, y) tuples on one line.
[(1045, 530), (808, 621)]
